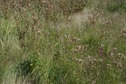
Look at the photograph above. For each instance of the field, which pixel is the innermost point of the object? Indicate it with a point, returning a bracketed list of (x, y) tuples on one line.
[(63, 42)]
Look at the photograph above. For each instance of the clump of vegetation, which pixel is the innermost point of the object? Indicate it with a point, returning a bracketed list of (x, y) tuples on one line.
[(29, 68), (116, 5)]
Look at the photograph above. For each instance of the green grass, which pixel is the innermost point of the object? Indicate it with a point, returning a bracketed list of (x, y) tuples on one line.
[(40, 45)]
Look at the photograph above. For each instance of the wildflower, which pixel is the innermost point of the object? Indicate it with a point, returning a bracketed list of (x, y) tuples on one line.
[(100, 50), (79, 60), (34, 19)]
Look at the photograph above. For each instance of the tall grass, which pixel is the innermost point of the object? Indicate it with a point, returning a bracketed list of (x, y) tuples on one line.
[(42, 43)]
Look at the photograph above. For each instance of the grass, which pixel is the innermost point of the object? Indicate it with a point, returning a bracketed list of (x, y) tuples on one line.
[(42, 43)]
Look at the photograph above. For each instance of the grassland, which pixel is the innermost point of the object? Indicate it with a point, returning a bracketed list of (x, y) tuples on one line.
[(62, 42)]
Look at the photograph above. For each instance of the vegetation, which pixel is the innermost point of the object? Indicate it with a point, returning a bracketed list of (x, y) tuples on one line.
[(62, 42)]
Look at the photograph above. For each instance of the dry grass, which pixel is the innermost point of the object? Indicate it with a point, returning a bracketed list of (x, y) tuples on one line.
[(62, 42)]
